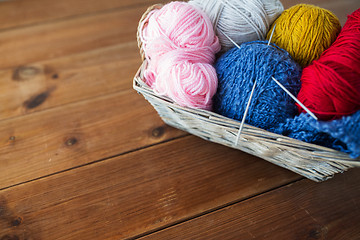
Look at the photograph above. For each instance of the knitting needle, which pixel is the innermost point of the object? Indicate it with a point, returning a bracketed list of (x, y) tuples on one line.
[(229, 38), (252, 91), (295, 99), (251, 95), (249, 101), (271, 35), (245, 113), (289, 93)]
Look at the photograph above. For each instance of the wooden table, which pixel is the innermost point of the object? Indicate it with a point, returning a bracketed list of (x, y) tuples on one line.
[(82, 156)]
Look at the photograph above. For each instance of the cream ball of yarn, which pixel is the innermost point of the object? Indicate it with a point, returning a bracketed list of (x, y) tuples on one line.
[(241, 20)]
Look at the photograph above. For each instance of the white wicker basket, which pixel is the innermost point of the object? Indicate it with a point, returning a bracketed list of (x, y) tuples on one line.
[(312, 161)]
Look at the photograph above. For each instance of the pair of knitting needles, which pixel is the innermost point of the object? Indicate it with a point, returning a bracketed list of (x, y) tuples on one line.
[(253, 90)]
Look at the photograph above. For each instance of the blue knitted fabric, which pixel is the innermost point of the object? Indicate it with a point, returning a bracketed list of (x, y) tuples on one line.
[(301, 128), (342, 134), (346, 129), (237, 70)]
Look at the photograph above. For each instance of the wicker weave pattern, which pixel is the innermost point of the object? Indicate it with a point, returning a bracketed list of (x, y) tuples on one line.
[(312, 161)]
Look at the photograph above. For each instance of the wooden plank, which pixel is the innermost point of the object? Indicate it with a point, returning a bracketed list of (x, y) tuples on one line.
[(60, 138), (27, 12), (31, 44), (69, 79), (137, 192), (303, 210)]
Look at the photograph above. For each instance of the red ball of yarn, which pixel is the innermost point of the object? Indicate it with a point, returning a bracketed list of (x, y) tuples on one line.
[(331, 85)]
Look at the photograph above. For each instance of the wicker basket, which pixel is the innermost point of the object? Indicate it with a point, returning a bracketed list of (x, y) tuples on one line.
[(312, 161)]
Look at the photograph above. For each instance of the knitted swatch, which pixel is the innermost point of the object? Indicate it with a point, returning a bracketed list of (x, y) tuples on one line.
[(342, 134)]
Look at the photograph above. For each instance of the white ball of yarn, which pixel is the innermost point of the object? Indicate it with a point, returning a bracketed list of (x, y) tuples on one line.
[(241, 20)]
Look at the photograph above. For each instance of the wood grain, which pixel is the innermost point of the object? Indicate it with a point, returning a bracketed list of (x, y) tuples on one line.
[(20, 13), (303, 210), (136, 193), (82, 156), (36, 43), (60, 138), (69, 79), (23, 12)]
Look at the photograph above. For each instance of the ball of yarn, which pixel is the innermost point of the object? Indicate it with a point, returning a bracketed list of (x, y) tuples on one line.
[(241, 20), (331, 85), (256, 61), (179, 43), (305, 31)]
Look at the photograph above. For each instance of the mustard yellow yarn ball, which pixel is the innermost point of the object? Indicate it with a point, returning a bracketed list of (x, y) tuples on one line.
[(305, 31)]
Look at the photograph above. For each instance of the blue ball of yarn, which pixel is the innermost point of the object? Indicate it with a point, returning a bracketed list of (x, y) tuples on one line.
[(237, 71)]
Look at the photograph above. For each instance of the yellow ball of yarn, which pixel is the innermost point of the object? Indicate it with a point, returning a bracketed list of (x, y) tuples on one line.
[(305, 31)]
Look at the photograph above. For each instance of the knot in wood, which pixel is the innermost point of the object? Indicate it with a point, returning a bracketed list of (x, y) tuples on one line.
[(16, 222), (158, 132), (36, 100), (25, 73), (71, 141), (10, 237)]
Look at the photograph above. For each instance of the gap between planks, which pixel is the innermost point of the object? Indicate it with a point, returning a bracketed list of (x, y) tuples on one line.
[(82, 101), (303, 209), (61, 138), (80, 15), (214, 210), (201, 180), (36, 43), (61, 67), (96, 161)]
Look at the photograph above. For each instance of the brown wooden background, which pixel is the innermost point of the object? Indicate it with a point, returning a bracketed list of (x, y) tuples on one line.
[(82, 156)]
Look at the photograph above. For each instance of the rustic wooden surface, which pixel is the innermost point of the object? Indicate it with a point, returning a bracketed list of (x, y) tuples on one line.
[(82, 156)]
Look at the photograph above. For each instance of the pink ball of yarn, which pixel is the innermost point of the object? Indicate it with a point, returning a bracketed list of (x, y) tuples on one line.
[(180, 45)]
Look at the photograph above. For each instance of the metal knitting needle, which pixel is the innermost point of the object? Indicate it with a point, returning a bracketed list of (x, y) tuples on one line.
[(295, 99), (271, 35), (229, 38), (252, 91), (245, 113), (289, 93), (249, 101)]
